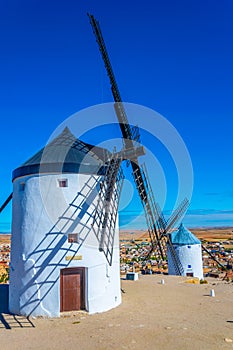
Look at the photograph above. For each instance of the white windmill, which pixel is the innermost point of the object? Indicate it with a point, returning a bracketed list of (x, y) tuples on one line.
[(62, 199), (189, 252)]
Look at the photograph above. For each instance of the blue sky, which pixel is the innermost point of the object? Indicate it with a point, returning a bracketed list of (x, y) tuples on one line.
[(172, 56)]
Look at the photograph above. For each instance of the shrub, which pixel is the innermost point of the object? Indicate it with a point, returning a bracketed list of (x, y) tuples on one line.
[(203, 281), (4, 275)]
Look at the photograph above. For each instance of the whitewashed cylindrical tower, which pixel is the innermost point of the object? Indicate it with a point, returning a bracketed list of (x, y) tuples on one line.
[(56, 264), (188, 251)]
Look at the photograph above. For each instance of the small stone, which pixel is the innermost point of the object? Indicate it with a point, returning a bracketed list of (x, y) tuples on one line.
[(168, 328), (228, 340), (133, 341)]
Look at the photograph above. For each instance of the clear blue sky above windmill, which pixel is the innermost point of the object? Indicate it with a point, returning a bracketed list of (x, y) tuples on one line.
[(172, 56)]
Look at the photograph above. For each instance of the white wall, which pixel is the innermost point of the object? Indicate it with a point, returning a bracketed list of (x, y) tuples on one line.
[(188, 255), (39, 250)]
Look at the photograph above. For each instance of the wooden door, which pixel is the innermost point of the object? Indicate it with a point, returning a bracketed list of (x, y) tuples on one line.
[(189, 274), (72, 289)]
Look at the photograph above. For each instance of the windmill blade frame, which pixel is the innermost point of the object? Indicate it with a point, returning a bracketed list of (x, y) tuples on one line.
[(105, 216), (127, 134), (177, 214), (158, 226), (7, 201)]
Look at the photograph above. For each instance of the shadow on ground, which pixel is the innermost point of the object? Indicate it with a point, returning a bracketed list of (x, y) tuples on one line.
[(8, 320)]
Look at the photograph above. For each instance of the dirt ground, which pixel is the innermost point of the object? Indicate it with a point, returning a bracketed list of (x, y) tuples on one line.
[(5, 238), (208, 234), (173, 315)]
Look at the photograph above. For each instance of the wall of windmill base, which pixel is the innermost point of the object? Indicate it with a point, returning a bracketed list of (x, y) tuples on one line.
[(41, 250), (40, 299), (190, 257), (103, 288)]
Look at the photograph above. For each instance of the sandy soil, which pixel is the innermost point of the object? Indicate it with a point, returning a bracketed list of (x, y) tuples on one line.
[(209, 234), (5, 238), (176, 315)]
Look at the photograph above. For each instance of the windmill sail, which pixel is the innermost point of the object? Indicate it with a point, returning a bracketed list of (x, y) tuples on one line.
[(6, 202), (158, 226), (128, 135), (107, 206), (177, 214)]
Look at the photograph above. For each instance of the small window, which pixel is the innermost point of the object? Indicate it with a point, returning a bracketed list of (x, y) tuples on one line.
[(189, 246), (189, 266), (63, 183), (72, 237), (22, 186)]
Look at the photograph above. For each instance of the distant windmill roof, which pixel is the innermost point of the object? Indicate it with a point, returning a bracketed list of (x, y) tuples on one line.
[(65, 154), (184, 237)]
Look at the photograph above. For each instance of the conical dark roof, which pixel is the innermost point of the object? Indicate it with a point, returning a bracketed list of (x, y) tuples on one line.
[(65, 154), (184, 237)]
